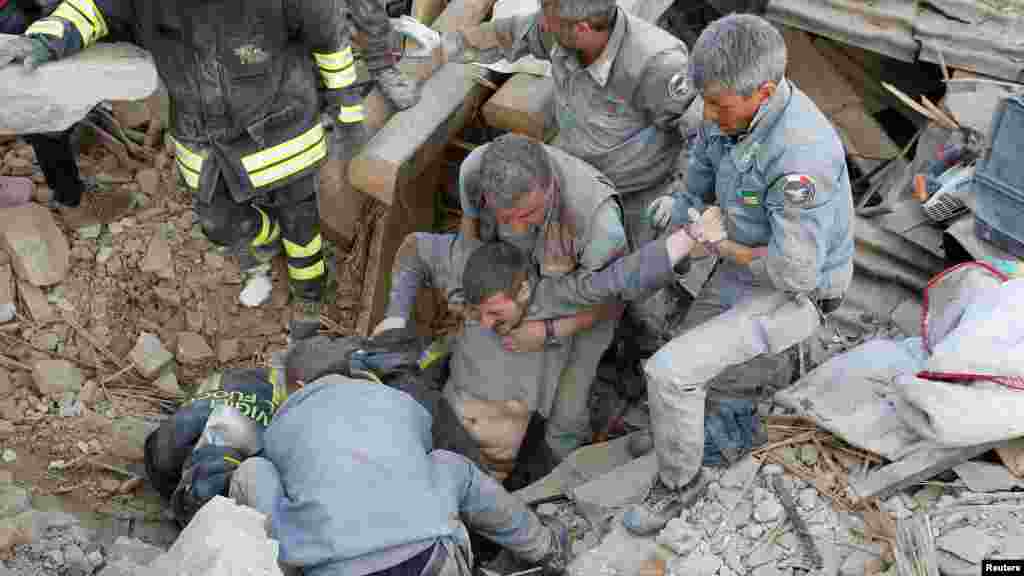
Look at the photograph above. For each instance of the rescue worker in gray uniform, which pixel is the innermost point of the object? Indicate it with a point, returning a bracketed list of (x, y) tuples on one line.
[(775, 166), (566, 216), (246, 116), (495, 392), (621, 91)]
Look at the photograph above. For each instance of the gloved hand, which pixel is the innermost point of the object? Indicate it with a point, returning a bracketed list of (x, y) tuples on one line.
[(425, 38), (31, 51), (390, 323), (402, 91), (659, 212)]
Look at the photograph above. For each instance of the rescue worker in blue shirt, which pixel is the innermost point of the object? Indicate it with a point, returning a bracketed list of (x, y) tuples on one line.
[(246, 116), (775, 166)]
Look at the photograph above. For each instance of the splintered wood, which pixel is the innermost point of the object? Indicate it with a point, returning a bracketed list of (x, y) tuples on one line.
[(827, 471)]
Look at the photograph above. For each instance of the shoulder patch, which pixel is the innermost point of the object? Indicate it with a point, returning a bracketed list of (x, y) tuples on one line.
[(797, 189), (679, 86)]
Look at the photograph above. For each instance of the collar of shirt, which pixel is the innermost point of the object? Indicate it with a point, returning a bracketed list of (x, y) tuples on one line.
[(601, 68), (769, 111)]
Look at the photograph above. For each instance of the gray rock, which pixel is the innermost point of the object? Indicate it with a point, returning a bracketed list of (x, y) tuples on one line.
[(986, 477), (765, 553), (61, 92), (768, 511), (95, 558), (706, 565), (192, 348), (547, 509), (55, 377), (13, 500), (739, 473), (969, 543), (121, 568), (766, 570), (55, 557), (808, 498), (771, 469), (679, 536), (950, 565), (133, 550), (753, 531), (624, 485), (149, 355), (854, 563), (38, 249), (75, 557)]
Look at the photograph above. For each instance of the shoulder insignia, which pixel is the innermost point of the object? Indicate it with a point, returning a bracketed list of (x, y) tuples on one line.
[(798, 189), (679, 86)]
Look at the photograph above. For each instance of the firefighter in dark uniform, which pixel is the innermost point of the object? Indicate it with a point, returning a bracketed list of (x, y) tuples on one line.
[(246, 110)]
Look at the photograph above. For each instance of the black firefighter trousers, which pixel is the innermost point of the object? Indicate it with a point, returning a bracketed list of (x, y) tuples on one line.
[(289, 215)]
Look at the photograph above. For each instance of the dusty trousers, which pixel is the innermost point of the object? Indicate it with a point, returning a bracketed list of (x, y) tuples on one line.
[(288, 215), (736, 323)]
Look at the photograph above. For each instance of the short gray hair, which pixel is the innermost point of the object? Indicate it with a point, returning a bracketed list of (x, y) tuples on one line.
[(739, 52), (513, 166), (598, 13)]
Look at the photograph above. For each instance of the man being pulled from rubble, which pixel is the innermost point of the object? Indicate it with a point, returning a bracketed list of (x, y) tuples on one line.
[(565, 216), (621, 90), (502, 397), (777, 170), (246, 118), (353, 483)]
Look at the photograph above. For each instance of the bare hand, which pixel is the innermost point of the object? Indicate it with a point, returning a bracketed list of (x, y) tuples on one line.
[(528, 337)]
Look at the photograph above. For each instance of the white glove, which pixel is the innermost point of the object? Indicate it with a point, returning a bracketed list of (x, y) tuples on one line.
[(426, 39), (659, 212), (30, 51), (390, 323)]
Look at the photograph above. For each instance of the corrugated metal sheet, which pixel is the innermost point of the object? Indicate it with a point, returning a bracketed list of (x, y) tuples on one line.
[(984, 36)]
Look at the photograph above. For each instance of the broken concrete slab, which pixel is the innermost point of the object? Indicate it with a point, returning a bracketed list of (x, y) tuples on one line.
[(620, 553), (985, 477), (680, 536), (578, 468), (222, 539), (61, 92), (55, 377), (192, 348), (133, 550), (158, 258), (149, 355), (38, 249), (921, 465), (625, 485), (968, 543)]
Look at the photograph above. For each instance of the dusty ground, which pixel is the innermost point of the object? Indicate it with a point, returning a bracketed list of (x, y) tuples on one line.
[(103, 304)]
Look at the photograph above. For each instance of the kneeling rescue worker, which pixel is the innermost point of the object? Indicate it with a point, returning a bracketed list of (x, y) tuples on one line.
[(246, 116)]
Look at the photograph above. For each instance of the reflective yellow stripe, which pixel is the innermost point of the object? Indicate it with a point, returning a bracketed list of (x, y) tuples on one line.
[(47, 27), (307, 273), (191, 178), (295, 251), (85, 17), (339, 79), (288, 158), (269, 230), (231, 460), (334, 61), (190, 159), (352, 114)]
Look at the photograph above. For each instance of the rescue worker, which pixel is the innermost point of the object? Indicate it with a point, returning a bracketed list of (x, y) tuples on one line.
[(776, 168), (498, 394), (566, 216), (621, 91), (246, 116), (352, 485)]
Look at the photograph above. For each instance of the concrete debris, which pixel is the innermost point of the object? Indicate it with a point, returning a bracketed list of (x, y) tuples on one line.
[(228, 350), (707, 565), (149, 182), (222, 539), (680, 536), (768, 511), (62, 92), (168, 382), (985, 477), (158, 258), (625, 485), (13, 500), (969, 543), (37, 247), (89, 392), (133, 550), (149, 355), (55, 377), (7, 295), (192, 348)]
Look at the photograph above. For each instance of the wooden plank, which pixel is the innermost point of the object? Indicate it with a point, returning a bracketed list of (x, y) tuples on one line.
[(522, 105), (919, 466)]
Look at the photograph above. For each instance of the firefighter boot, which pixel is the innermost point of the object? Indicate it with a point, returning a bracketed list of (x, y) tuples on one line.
[(305, 322)]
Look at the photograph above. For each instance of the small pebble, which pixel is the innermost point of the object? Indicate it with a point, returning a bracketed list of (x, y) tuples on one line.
[(547, 509), (95, 558), (771, 469)]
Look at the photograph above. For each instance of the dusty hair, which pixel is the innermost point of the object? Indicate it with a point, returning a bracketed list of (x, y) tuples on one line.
[(493, 268), (512, 166), (739, 53)]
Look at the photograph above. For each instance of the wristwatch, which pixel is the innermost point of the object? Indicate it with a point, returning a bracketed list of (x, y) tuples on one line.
[(550, 338)]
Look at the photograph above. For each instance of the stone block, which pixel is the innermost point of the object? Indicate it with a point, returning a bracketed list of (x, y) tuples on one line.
[(625, 485), (55, 377), (38, 249), (192, 348), (149, 355), (133, 550)]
